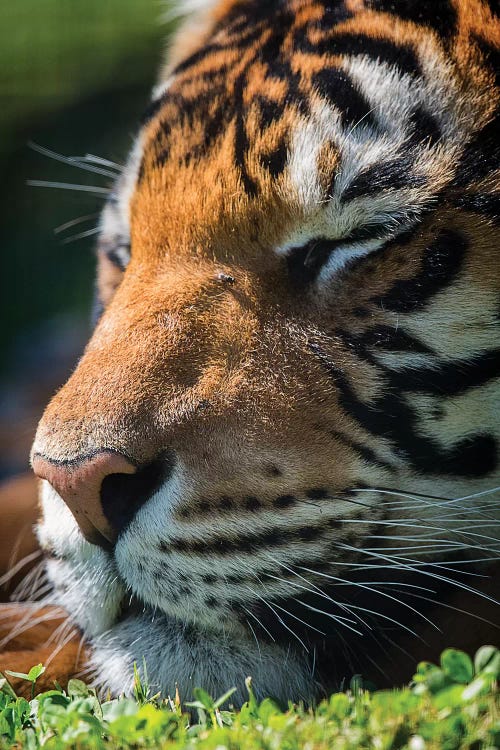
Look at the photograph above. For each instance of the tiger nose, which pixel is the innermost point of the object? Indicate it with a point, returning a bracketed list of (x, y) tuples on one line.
[(80, 482)]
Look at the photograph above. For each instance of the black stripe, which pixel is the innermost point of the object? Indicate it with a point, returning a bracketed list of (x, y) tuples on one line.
[(305, 262), (392, 417), (197, 57), (390, 175), (491, 56), (246, 13), (270, 111), (241, 142), (442, 262), (364, 451), (493, 6), (487, 204), (450, 379), (274, 537), (152, 109), (337, 87), (438, 15), (481, 156), (474, 456), (401, 56), (275, 162), (425, 128), (333, 14), (387, 339)]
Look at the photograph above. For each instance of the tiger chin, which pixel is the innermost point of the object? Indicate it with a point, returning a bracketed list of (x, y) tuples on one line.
[(277, 456)]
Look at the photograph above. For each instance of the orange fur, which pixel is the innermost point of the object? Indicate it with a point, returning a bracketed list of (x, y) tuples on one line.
[(238, 377)]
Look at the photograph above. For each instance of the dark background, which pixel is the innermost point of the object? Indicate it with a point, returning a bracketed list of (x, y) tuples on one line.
[(75, 76)]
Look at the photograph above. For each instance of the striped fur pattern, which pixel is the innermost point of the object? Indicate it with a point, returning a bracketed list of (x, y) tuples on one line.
[(298, 341)]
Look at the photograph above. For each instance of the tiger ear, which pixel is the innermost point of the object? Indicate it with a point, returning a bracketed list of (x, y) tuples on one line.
[(31, 635)]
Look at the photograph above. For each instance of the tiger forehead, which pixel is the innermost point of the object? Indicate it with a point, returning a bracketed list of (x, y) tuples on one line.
[(240, 93), (287, 111)]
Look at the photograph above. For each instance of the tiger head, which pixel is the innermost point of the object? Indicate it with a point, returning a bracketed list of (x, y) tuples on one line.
[(287, 404)]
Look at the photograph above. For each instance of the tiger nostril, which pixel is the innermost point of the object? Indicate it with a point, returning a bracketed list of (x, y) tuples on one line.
[(78, 481), (104, 489), (122, 495)]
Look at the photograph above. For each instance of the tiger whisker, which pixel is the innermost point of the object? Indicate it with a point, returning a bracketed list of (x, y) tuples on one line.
[(459, 562), (456, 609), (72, 161), (418, 496), (31, 584), (254, 593), (303, 622), (420, 524), (382, 671), (26, 623), (348, 607), (360, 585), (81, 235), (424, 549), (101, 160), (316, 589), (389, 619), (59, 632), (258, 621), (443, 566), (74, 222), (41, 591), (6, 611), (94, 189), (316, 592), (390, 583), (326, 614), (457, 516), (338, 618), (14, 569), (445, 579), (436, 545), (69, 637), (255, 638), (394, 644), (453, 542)]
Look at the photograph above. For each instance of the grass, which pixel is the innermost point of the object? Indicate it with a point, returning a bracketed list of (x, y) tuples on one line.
[(446, 707)]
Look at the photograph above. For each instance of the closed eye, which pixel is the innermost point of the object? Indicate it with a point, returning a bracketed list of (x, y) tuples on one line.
[(119, 254), (320, 258)]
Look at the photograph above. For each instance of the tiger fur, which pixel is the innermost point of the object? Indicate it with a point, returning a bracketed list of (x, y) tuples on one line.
[(278, 453)]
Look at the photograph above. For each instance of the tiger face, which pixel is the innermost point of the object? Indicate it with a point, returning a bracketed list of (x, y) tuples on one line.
[(282, 433)]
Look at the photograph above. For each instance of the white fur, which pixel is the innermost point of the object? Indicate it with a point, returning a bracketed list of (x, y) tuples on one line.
[(393, 96), (85, 579), (177, 656)]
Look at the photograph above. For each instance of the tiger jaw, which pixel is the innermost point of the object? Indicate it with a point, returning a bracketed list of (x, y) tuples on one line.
[(123, 630)]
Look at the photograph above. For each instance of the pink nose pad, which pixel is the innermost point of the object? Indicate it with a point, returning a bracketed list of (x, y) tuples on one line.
[(79, 483)]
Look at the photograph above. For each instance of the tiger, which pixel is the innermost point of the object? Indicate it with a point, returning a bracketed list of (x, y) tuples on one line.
[(278, 454)]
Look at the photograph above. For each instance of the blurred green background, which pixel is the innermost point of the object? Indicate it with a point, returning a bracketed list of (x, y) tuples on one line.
[(75, 76)]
